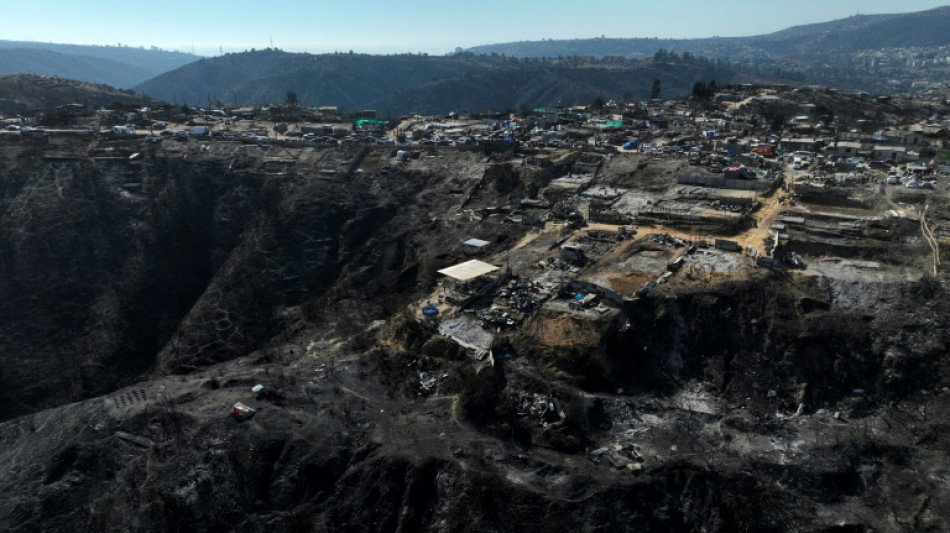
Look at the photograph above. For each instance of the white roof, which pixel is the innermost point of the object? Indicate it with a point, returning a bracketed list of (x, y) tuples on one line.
[(478, 243), (468, 270)]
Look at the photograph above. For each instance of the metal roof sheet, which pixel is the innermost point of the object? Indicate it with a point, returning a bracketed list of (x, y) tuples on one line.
[(478, 243), (468, 270)]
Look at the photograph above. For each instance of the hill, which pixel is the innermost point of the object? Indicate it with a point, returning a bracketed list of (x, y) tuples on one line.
[(349, 80), (844, 36), (875, 53), (862, 32), (90, 69), (22, 92), (402, 83), (119, 66), (563, 82)]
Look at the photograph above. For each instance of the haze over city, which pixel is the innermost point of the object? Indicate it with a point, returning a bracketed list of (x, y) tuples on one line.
[(382, 27)]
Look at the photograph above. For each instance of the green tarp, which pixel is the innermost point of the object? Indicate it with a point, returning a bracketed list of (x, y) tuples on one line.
[(371, 122)]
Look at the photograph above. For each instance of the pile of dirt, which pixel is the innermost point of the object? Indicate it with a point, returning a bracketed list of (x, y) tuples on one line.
[(558, 330)]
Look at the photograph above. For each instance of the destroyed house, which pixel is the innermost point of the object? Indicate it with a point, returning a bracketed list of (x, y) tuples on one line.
[(471, 280)]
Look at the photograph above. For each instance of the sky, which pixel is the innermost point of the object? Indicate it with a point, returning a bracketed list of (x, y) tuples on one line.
[(210, 27)]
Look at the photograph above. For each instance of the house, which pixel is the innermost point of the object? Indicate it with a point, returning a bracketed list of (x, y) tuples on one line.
[(885, 153), (74, 110), (245, 113), (800, 144), (915, 136), (888, 136), (846, 149)]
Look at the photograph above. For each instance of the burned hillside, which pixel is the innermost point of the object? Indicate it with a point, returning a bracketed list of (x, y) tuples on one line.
[(547, 328), (160, 252)]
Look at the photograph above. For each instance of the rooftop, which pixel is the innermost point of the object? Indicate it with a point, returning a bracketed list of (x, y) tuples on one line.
[(468, 270)]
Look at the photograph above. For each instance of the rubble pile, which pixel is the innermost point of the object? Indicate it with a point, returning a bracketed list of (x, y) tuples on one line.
[(541, 409)]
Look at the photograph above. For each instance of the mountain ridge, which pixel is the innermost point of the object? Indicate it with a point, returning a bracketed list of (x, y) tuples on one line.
[(119, 66), (835, 53), (782, 42)]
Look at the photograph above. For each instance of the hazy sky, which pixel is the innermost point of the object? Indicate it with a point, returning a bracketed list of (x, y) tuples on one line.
[(389, 26)]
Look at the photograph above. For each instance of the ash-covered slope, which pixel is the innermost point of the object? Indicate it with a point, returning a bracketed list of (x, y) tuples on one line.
[(350, 438), (157, 282), (113, 267), (25, 91)]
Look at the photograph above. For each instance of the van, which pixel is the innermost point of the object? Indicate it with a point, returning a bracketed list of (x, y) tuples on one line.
[(797, 163)]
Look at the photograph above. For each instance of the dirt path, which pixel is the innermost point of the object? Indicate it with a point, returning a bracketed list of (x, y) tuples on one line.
[(931, 240), (764, 218)]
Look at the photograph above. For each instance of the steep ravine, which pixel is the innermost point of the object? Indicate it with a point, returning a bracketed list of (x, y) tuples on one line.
[(114, 269)]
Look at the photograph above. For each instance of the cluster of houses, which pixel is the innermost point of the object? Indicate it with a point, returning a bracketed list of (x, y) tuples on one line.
[(743, 124), (738, 124)]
